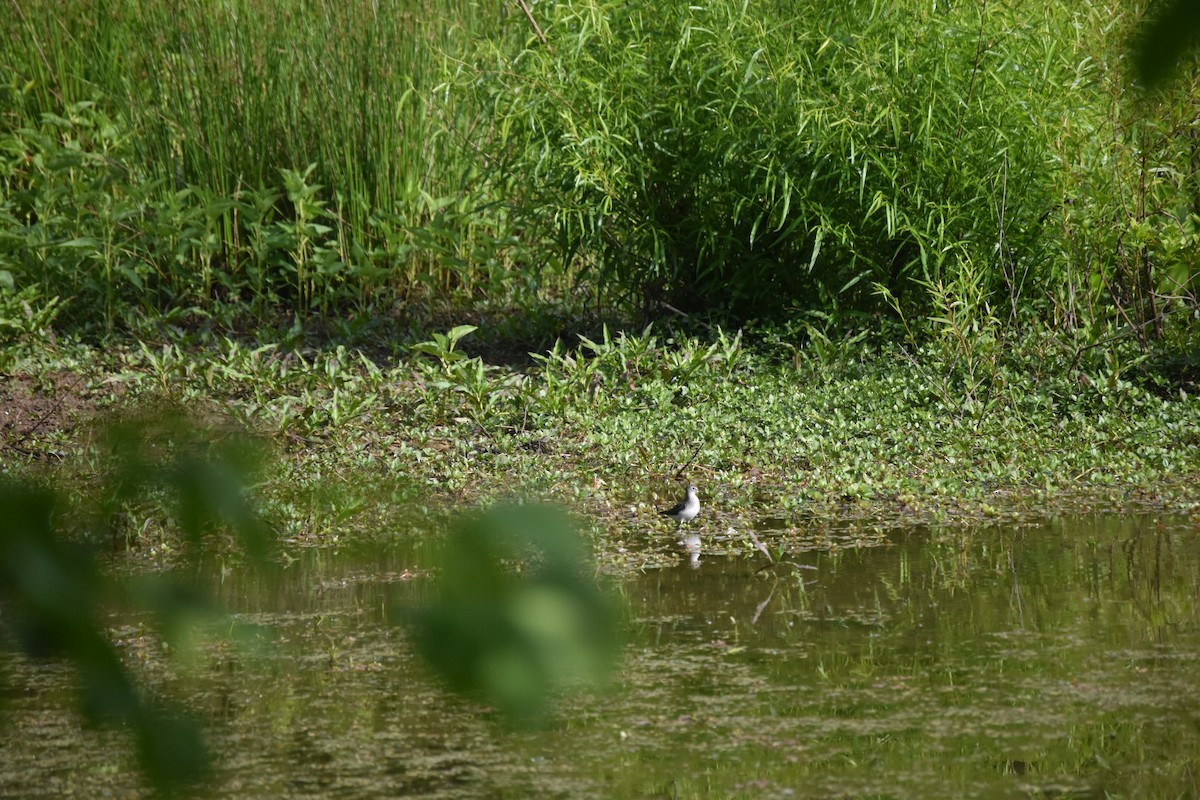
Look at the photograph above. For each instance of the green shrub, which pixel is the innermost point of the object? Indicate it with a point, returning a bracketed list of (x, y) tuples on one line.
[(763, 158), (233, 159), (749, 157)]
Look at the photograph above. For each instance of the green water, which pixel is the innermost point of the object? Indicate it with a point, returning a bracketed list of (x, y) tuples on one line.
[(1051, 660)]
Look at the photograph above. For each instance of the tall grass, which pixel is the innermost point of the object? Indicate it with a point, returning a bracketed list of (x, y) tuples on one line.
[(299, 155), (1129, 183), (243, 157)]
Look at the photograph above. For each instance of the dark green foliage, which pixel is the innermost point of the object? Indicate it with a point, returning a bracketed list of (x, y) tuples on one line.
[(1169, 35), (766, 158), (753, 159)]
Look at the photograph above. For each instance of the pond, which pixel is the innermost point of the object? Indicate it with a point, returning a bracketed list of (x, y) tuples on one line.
[(1052, 659)]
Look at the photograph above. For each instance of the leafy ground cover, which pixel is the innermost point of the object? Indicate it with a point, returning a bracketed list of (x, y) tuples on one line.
[(776, 434)]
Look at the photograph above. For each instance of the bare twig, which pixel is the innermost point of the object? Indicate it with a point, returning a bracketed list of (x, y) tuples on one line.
[(761, 547), (537, 28), (683, 469)]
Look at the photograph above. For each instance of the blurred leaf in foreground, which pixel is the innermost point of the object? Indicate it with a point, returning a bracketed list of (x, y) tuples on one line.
[(52, 593), (1170, 30), (202, 471), (55, 595), (518, 616)]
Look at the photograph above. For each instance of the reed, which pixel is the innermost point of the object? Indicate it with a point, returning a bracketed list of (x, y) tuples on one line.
[(309, 155)]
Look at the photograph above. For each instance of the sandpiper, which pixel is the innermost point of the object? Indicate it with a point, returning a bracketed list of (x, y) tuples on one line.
[(686, 509)]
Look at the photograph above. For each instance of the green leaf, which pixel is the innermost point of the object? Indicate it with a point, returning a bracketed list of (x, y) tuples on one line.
[(459, 332)]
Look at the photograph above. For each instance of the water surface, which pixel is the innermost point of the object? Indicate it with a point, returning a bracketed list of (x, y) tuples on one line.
[(1049, 660)]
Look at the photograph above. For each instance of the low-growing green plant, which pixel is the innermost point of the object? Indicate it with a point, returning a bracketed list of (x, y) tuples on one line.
[(482, 385), (25, 315), (685, 363), (444, 348), (962, 359), (913, 429)]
